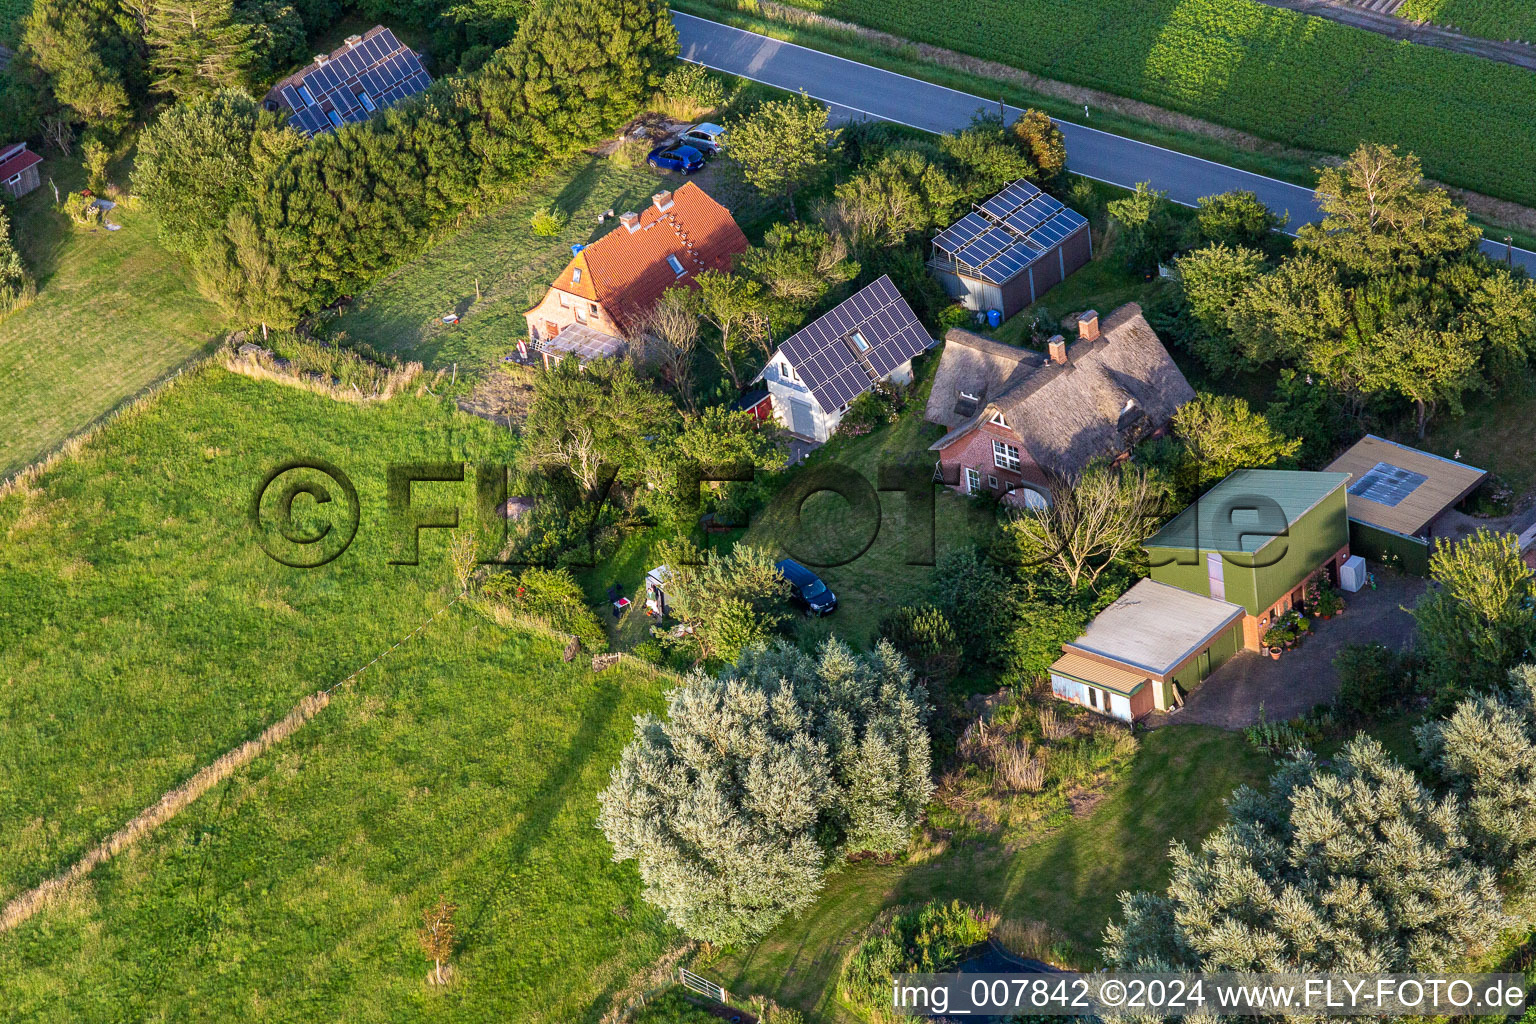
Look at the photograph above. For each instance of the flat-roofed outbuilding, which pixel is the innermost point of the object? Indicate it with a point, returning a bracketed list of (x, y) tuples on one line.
[(1395, 496)]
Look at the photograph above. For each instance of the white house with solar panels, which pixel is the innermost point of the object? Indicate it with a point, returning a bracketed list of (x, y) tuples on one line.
[(1010, 250), (819, 370), (366, 74)]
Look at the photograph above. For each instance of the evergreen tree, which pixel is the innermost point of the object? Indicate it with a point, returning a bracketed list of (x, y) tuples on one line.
[(583, 67), (197, 161), (84, 48), (195, 46), (1353, 869), (735, 803)]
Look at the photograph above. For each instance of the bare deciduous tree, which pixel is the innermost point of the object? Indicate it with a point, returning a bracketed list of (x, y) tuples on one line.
[(671, 330), (1091, 521), (436, 936)]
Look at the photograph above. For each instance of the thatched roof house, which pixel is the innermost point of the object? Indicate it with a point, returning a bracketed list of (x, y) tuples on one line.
[(1016, 418)]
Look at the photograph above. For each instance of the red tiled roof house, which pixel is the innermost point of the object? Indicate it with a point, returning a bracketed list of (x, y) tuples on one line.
[(1018, 420), (601, 297)]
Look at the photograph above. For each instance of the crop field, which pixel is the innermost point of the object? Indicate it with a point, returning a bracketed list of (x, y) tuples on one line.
[(146, 633), (1491, 19), (467, 767), (114, 312), (1285, 76)]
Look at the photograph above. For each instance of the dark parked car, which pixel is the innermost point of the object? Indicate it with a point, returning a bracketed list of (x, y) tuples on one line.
[(806, 591), (674, 157)]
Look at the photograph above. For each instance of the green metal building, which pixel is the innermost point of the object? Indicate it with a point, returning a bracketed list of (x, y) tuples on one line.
[(1255, 539)]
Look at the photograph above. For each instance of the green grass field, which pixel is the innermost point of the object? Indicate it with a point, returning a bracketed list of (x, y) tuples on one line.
[(402, 314), (146, 632), (465, 766), (1294, 79), (114, 312), (1174, 789)]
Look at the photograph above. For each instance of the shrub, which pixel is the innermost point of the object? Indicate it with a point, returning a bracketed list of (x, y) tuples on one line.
[(16, 285), (926, 638), (1372, 678), (81, 209), (692, 86), (631, 153), (734, 804), (930, 938), (553, 597), (549, 222), (673, 1007)]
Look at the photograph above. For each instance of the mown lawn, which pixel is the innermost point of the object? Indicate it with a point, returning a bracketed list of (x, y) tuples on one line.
[(114, 312), (402, 314), (1174, 790), (466, 765), (145, 632)]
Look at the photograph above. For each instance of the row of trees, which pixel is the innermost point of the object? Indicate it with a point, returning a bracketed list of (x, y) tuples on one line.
[(1387, 299), (98, 62), (276, 227), (735, 804)]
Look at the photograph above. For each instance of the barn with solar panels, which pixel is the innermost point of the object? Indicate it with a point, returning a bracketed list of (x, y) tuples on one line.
[(816, 374), (1397, 496), (366, 74), (1010, 250)]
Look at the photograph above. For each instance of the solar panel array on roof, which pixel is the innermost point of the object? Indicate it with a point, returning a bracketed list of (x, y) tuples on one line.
[(376, 71), (1387, 484), (824, 357), (1001, 237)]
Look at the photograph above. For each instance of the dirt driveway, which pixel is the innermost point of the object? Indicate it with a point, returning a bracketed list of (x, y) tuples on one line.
[(1301, 678)]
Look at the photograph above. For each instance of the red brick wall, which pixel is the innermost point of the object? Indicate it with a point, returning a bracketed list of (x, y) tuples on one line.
[(550, 311), (974, 449)]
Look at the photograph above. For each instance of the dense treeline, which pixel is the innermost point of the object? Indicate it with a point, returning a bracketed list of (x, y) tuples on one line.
[(277, 227), (102, 65)]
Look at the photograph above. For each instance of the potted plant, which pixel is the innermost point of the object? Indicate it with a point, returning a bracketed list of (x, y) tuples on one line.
[(1328, 603), (1276, 638)]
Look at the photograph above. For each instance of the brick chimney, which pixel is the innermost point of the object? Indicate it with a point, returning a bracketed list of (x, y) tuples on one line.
[(630, 220), (1088, 326), (353, 41), (1057, 347), (663, 201)]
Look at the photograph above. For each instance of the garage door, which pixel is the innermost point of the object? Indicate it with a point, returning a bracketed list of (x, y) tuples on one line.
[(802, 420)]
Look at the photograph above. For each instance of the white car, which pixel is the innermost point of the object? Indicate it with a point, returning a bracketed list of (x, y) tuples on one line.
[(708, 137)]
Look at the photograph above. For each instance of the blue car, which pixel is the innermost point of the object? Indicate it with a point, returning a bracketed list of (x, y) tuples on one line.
[(806, 591), (674, 157)]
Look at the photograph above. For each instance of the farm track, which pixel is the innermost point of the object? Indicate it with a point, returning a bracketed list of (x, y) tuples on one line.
[(1362, 14)]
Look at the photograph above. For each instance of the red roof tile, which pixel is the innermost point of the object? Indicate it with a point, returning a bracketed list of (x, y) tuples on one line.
[(18, 163), (628, 270)]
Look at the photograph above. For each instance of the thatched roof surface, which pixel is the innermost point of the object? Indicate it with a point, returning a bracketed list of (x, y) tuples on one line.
[(1112, 392)]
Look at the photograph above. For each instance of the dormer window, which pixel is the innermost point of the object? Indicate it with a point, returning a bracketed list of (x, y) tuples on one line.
[(966, 396), (676, 265)]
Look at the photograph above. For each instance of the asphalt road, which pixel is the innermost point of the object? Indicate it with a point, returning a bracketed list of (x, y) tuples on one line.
[(857, 90)]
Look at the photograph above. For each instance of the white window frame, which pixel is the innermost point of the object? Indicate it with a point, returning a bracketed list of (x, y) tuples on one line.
[(565, 300), (15, 179), (997, 418), (576, 276), (860, 343), (1006, 456), (581, 314), (992, 481), (972, 480)]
